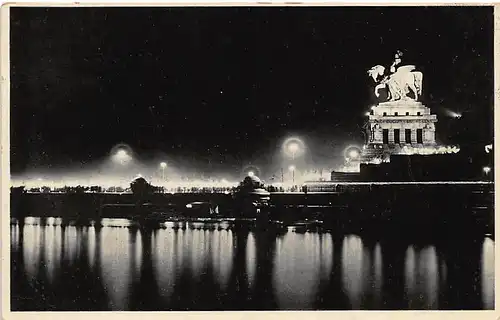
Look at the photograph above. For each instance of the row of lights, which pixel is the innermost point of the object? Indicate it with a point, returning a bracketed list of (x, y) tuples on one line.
[(292, 148), (122, 156)]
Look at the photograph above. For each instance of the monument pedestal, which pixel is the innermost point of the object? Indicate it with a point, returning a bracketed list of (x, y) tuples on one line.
[(393, 125)]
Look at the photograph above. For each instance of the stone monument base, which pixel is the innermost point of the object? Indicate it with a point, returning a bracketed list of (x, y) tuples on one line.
[(395, 127)]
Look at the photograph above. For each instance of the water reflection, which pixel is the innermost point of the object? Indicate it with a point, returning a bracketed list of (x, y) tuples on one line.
[(52, 249), (71, 241), (250, 258), (14, 237), (116, 262), (354, 270), (421, 277), (164, 263), (222, 253), (31, 249), (488, 273), (206, 267), (300, 263)]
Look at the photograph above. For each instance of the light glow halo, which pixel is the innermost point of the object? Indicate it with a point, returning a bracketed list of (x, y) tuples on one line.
[(293, 147)]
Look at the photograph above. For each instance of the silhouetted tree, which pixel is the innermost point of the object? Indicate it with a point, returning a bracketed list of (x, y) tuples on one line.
[(250, 183), (141, 189), (17, 190)]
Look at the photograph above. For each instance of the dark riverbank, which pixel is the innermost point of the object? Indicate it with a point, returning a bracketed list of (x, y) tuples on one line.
[(434, 206)]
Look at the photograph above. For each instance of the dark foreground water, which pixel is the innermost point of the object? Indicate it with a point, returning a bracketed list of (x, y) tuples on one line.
[(117, 267)]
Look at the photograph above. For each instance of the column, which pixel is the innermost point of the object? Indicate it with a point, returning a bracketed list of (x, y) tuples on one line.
[(377, 135), (402, 135), (391, 135), (429, 134), (413, 136)]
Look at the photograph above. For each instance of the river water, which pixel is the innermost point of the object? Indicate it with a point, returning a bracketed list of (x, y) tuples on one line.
[(115, 267)]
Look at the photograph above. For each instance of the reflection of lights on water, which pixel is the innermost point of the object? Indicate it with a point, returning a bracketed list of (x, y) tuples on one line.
[(164, 261), (32, 221), (488, 273), (222, 252), (326, 257), (421, 277), (297, 254), (251, 258), (352, 269), (31, 249), (138, 253), (377, 283), (91, 245), (110, 222), (198, 253), (115, 259), (14, 237), (54, 221), (71, 244), (410, 267), (52, 250)]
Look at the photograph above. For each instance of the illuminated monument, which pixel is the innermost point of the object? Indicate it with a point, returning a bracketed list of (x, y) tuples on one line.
[(399, 123)]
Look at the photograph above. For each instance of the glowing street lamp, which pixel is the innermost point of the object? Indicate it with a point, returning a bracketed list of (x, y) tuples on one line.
[(163, 166), (293, 147), (251, 173), (122, 156), (353, 154), (486, 170), (292, 170)]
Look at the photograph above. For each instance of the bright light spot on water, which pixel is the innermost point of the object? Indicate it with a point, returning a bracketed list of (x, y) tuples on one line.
[(421, 277), (251, 256), (165, 262), (107, 222), (352, 271), (31, 249), (116, 262), (52, 250), (296, 254), (32, 221), (137, 247), (91, 246), (71, 244), (14, 237), (488, 274), (222, 254)]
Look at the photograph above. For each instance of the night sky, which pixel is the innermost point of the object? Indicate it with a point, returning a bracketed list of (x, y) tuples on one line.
[(223, 86)]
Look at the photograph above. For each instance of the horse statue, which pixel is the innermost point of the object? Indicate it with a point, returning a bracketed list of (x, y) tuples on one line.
[(399, 84)]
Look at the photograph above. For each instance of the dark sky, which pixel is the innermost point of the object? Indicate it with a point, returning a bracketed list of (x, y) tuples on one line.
[(227, 84)]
